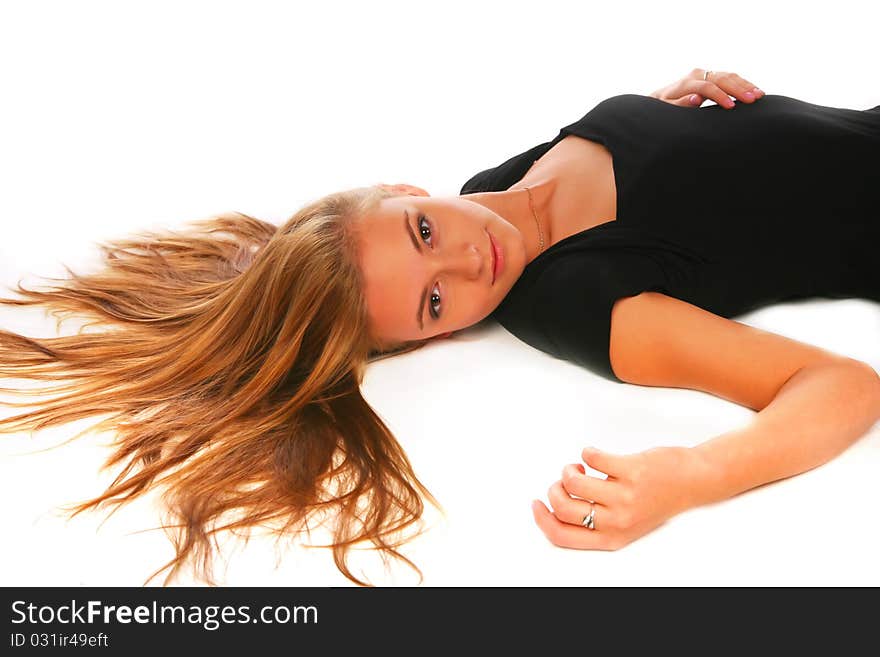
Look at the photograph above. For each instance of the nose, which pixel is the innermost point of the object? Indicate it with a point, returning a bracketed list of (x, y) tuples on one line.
[(462, 261)]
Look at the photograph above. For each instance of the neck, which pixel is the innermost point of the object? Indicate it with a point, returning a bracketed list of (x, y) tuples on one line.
[(513, 206)]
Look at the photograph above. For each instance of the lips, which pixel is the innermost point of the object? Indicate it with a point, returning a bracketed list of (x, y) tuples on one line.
[(496, 252), (491, 256)]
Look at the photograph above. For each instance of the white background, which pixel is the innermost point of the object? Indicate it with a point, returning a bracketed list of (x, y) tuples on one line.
[(116, 117)]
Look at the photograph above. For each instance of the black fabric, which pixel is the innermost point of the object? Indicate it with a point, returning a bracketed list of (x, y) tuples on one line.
[(728, 210)]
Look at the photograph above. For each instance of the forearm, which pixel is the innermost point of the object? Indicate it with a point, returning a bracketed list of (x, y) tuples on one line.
[(817, 414)]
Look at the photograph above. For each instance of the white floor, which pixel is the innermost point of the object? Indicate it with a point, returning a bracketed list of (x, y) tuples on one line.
[(486, 441), (117, 119)]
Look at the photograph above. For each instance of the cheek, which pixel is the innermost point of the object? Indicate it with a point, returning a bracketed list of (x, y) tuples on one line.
[(482, 304)]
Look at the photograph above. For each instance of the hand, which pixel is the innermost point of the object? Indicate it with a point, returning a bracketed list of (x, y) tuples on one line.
[(692, 90), (640, 492)]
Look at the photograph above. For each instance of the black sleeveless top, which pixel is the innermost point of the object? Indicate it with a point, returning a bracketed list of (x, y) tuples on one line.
[(728, 210)]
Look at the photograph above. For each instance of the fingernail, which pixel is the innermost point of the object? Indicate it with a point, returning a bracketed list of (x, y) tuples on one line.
[(749, 95), (581, 468), (693, 99), (731, 102)]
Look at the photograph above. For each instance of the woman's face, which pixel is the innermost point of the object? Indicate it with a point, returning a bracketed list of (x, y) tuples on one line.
[(427, 264)]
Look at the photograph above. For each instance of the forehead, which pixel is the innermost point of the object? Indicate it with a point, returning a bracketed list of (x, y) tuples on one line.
[(389, 266)]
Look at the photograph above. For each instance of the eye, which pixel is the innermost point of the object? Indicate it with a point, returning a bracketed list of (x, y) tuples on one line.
[(424, 225), (434, 305)]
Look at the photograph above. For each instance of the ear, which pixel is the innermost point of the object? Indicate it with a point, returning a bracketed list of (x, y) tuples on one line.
[(403, 189)]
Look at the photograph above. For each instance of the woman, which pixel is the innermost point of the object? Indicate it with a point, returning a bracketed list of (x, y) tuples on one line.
[(232, 363)]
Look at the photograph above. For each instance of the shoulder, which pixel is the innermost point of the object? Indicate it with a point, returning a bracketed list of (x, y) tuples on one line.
[(623, 104), (571, 299), (619, 100), (501, 176)]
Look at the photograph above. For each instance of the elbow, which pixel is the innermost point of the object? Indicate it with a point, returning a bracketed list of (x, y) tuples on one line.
[(871, 380), (861, 380)]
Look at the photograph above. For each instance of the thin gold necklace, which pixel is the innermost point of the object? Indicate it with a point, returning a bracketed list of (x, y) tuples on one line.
[(537, 223)]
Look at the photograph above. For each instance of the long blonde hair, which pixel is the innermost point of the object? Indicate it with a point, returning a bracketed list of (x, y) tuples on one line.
[(230, 366)]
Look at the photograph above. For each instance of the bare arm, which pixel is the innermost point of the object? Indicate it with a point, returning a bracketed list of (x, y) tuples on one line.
[(817, 413), (811, 405)]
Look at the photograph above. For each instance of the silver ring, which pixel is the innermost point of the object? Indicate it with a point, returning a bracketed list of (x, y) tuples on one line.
[(588, 520), (706, 75)]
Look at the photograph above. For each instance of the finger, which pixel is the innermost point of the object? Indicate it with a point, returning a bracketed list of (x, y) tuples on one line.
[(736, 86), (712, 91), (740, 88), (586, 487), (703, 89), (566, 508), (614, 465), (687, 100), (680, 92), (566, 535)]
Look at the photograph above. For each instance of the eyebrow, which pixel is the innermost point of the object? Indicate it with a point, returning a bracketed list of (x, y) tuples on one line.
[(412, 236)]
